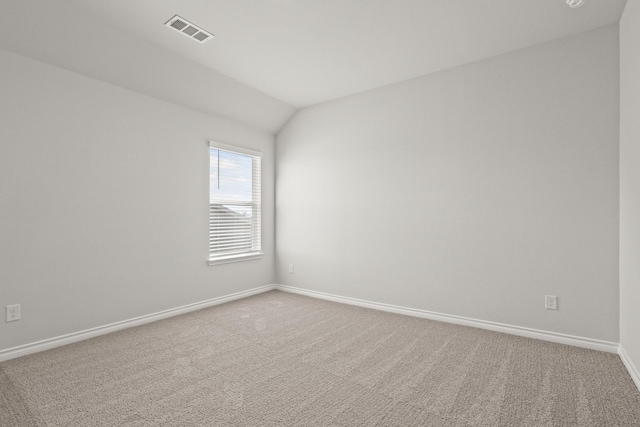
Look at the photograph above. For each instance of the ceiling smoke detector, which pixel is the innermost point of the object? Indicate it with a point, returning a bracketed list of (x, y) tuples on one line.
[(188, 29), (575, 3)]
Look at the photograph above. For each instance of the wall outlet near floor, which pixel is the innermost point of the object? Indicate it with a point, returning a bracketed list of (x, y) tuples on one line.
[(13, 312), (551, 302), (290, 268)]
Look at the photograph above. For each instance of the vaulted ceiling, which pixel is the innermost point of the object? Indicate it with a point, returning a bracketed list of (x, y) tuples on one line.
[(292, 53), (308, 51)]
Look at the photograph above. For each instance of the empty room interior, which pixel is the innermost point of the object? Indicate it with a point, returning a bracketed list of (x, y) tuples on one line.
[(320, 212)]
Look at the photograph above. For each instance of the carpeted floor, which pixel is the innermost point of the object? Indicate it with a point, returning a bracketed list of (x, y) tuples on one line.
[(279, 359)]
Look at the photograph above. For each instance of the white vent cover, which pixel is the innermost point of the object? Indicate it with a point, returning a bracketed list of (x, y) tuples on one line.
[(188, 29)]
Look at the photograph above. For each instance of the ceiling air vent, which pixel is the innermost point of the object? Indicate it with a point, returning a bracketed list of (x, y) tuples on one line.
[(188, 29)]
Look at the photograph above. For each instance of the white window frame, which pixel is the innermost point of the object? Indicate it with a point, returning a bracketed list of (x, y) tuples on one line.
[(256, 252)]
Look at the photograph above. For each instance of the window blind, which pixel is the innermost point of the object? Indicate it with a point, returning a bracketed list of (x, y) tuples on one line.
[(234, 201)]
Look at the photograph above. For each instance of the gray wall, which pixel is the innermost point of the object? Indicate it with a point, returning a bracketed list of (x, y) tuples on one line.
[(472, 192), (104, 203), (630, 182)]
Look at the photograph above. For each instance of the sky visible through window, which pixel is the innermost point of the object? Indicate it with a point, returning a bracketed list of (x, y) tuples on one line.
[(230, 178)]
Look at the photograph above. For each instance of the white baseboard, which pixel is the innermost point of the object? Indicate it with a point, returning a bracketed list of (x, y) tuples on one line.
[(590, 343), (38, 346), (633, 371), (46, 344)]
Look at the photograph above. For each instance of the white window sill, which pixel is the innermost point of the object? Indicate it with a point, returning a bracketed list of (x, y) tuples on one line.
[(235, 258)]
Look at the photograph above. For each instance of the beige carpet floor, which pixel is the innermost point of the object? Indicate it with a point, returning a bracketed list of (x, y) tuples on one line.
[(279, 359)]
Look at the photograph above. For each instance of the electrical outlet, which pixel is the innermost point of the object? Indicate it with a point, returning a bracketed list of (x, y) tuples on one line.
[(290, 268), (550, 302), (13, 312)]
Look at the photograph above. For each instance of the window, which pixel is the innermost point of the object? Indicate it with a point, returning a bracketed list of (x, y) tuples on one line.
[(234, 204)]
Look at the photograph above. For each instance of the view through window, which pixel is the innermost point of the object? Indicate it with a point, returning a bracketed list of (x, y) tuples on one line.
[(234, 203)]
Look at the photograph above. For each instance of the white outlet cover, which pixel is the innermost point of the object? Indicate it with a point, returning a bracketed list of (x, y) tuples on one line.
[(13, 312), (550, 302)]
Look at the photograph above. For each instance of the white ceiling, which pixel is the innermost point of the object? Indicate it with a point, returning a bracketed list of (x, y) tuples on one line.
[(304, 52), (63, 35)]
